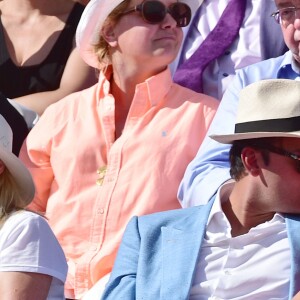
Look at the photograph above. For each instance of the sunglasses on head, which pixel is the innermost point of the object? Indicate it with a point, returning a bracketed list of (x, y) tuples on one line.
[(154, 12)]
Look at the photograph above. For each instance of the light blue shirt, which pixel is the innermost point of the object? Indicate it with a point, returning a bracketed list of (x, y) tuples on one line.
[(210, 168)]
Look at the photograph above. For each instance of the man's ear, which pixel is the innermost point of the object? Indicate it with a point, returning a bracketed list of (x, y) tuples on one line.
[(109, 34), (249, 158), (2, 167)]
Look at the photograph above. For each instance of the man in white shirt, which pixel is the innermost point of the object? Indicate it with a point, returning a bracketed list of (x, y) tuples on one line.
[(259, 38), (243, 244)]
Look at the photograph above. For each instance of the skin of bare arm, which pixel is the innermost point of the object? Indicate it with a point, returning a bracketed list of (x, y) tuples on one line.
[(29, 44), (24, 285)]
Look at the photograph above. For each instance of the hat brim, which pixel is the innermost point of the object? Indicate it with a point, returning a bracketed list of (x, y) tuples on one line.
[(230, 138), (20, 173), (90, 26)]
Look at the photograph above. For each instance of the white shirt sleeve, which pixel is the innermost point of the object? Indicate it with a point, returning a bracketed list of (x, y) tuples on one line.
[(27, 244)]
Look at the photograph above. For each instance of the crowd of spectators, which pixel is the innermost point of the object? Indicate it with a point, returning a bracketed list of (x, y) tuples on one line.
[(149, 149)]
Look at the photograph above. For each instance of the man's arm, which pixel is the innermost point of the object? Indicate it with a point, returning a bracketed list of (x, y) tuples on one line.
[(210, 168)]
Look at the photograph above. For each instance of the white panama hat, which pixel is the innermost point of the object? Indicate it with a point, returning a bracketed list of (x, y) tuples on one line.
[(267, 108), (15, 166), (91, 22)]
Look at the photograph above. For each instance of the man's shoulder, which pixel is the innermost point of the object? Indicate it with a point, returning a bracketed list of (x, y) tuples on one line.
[(180, 92), (266, 69), (267, 65)]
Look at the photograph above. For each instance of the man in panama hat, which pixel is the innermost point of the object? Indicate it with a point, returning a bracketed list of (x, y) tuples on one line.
[(243, 244), (210, 167)]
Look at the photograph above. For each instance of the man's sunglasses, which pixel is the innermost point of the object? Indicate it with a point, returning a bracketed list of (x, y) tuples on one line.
[(283, 152), (154, 12)]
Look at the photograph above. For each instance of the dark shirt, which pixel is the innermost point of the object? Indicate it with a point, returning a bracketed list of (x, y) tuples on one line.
[(15, 121), (17, 81)]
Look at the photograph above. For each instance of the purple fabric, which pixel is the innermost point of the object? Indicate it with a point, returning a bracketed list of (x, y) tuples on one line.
[(189, 73)]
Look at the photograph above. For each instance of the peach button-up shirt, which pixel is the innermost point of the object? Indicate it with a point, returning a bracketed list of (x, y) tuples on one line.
[(90, 184)]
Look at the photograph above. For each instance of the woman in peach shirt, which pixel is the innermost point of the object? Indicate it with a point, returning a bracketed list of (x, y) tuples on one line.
[(119, 148)]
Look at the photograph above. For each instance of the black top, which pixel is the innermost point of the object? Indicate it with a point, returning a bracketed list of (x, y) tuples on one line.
[(16, 122), (18, 81)]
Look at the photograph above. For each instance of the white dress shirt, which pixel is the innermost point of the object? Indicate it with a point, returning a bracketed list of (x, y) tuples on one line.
[(255, 265)]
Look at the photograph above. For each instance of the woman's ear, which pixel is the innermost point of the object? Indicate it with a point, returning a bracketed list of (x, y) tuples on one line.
[(2, 167), (249, 158), (109, 34)]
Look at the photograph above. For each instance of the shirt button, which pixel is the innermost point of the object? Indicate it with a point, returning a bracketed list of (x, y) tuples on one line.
[(225, 74), (227, 52), (100, 211)]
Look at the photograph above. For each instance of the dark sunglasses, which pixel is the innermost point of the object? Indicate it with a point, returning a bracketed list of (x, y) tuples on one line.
[(154, 12), (283, 152)]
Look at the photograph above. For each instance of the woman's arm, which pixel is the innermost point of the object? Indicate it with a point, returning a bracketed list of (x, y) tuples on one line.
[(24, 285), (77, 76)]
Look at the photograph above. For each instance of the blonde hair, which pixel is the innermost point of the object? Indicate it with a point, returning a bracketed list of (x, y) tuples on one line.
[(10, 196), (102, 47)]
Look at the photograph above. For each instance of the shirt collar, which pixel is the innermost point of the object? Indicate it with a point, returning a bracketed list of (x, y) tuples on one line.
[(156, 86), (103, 88), (221, 196), (295, 67), (288, 68)]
